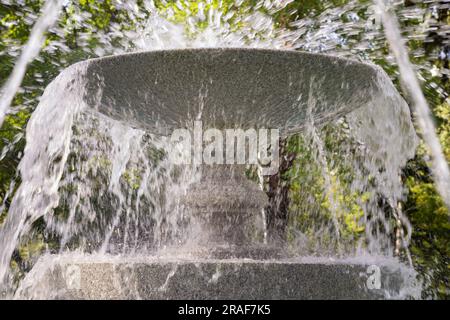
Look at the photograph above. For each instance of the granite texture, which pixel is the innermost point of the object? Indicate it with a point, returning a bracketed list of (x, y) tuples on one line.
[(225, 88), (220, 279)]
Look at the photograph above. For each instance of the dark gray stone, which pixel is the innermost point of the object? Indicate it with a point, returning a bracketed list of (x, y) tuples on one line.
[(224, 204), (214, 279)]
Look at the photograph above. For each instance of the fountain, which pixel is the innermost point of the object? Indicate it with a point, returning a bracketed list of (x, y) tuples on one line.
[(161, 91)]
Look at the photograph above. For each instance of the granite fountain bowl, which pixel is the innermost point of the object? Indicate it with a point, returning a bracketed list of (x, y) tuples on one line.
[(226, 88)]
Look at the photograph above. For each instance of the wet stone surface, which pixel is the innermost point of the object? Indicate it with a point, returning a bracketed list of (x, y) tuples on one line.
[(220, 279)]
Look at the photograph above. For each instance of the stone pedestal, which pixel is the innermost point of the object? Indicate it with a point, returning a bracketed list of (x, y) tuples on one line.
[(225, 205), (224, 202)]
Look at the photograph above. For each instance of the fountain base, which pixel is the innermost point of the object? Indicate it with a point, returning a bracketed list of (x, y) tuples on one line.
[(152, 278)]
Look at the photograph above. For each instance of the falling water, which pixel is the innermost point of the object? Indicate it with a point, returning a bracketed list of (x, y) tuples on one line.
[(439, 164), (318, 145), (42, 165), (376, 141), (48, 17)]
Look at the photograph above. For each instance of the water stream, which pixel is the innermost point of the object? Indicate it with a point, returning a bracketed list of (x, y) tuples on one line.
[(49, 15), (439, 165)]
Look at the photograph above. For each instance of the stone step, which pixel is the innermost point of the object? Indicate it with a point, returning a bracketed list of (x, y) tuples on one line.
[(217, 279)]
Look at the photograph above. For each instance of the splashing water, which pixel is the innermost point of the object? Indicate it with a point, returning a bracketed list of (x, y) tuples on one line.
[(42, 165), (378, 140), (101, 187)]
